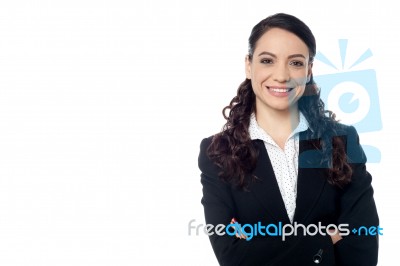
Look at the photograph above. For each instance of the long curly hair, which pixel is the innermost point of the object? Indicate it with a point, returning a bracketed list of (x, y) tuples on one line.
[(233, 151)]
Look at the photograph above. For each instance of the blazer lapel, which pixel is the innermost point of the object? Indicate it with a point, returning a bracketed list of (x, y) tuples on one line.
[(311, 178), (266, 188)]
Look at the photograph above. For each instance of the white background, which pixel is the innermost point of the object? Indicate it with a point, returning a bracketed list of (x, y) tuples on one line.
[(103, 105)]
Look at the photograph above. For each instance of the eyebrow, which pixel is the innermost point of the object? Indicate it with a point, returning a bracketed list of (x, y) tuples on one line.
[(274, 56)]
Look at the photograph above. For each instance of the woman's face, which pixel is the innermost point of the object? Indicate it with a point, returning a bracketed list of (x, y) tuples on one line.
[(279, 70)]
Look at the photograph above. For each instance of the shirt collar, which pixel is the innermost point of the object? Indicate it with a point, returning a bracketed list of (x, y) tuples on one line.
[(256, 132)]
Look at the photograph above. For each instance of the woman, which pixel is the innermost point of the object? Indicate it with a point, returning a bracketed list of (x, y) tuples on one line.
[(283, 160)]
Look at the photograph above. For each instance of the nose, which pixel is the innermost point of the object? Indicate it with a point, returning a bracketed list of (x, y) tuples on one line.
[(281, 73)]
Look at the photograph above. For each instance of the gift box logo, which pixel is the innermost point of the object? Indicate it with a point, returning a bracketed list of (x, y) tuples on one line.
[(353, 96)]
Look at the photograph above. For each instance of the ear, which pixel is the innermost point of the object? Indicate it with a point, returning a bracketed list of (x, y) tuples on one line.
[(309, 73), (248, 67)]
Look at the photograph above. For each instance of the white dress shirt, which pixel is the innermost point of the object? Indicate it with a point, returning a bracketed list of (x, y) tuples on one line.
[(284, 162)]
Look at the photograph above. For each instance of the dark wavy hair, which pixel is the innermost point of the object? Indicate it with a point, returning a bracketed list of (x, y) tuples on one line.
[(232, 149)]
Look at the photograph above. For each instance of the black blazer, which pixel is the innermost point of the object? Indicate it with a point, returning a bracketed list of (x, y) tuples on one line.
[(317, 201)]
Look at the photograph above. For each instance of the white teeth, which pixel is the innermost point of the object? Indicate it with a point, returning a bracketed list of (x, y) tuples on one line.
[(279, 90)]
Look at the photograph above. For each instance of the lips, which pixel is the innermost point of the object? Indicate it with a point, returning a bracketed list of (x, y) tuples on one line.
[(279, 89)]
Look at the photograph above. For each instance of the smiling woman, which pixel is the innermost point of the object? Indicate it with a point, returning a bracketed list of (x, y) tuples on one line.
[(282, 158), (280, 69)]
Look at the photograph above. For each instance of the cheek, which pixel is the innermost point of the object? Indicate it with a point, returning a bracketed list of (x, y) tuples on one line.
[(300, 92), (301, 80), (300, 77), (254, 85), (256, 79), (259, 80)]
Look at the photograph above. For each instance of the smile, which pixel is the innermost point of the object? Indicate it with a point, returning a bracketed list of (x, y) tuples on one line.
[(280, 90)]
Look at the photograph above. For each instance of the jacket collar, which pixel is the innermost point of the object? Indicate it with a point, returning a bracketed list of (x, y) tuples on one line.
[(310, 183)]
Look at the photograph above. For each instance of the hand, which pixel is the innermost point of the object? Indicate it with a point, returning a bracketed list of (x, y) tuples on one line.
[(335, 237), (241, 236)]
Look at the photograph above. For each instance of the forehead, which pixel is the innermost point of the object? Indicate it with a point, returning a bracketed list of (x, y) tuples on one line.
[(281, 42)]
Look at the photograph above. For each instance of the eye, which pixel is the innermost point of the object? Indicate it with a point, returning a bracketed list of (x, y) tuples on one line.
[(297, 63), (266, 61)]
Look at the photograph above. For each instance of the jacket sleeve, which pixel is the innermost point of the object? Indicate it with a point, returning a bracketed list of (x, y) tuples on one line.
[(219, 208), (358, 210)]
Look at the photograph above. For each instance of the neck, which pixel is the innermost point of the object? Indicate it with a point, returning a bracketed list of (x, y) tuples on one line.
[(278, 124)]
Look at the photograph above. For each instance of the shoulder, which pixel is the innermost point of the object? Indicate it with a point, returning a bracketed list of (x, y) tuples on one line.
[(354, 151), (346, 129), (336, 129), (205, 143), (206, 165)]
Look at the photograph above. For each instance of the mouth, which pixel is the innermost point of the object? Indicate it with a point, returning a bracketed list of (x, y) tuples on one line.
[(279, 90)]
